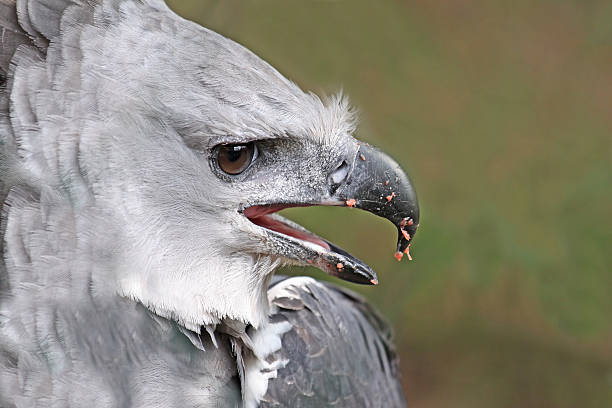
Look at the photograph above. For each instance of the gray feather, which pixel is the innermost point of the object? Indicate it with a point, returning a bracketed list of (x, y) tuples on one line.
[(45, 16), (339, 351), (11, 36)]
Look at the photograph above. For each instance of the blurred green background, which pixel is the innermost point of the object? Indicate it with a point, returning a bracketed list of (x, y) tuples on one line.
[(501, 112)]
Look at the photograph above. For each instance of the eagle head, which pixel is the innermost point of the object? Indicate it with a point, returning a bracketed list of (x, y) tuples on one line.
[(191, 144)]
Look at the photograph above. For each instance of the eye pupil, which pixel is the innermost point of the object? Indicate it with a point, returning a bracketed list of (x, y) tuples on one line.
[(235, 153), (235, 158)]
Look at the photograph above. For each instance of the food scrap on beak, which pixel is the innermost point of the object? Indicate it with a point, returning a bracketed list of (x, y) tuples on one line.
[(380, 186)]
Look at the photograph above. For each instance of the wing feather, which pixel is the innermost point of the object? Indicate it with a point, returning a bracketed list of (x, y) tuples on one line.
[(339, 350)]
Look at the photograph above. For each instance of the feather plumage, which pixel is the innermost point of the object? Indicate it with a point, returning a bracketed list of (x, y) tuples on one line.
[(115, 287)]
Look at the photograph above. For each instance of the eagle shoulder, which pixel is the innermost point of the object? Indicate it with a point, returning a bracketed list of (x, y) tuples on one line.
[(338, 351)]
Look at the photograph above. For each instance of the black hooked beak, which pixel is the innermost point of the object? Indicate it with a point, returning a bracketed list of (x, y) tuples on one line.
[(371, 181), (379, 185)]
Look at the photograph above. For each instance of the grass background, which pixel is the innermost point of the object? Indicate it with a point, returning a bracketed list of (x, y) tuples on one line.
[(501, 113)]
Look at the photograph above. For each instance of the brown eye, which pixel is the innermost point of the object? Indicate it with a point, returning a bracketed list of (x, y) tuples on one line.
[(236, 158)]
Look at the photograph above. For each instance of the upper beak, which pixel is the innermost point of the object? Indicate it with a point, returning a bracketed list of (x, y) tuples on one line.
[(376, 183)]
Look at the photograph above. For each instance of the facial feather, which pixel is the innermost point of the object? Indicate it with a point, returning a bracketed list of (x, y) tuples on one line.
[(156, 94)]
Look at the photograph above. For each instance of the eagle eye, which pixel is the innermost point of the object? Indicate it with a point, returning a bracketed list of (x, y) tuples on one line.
[(236, 158)]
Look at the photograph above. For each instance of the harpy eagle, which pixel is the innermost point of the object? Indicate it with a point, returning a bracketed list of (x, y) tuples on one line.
[(142, 161)]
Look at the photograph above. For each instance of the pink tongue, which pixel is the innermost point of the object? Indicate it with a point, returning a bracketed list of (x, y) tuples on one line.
[(278, 226)]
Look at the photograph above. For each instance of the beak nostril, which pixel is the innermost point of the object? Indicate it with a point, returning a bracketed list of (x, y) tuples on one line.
[(338, 176)]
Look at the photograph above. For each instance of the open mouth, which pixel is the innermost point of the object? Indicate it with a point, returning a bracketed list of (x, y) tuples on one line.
[(260, 215), (302, 245), (376, 184)]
